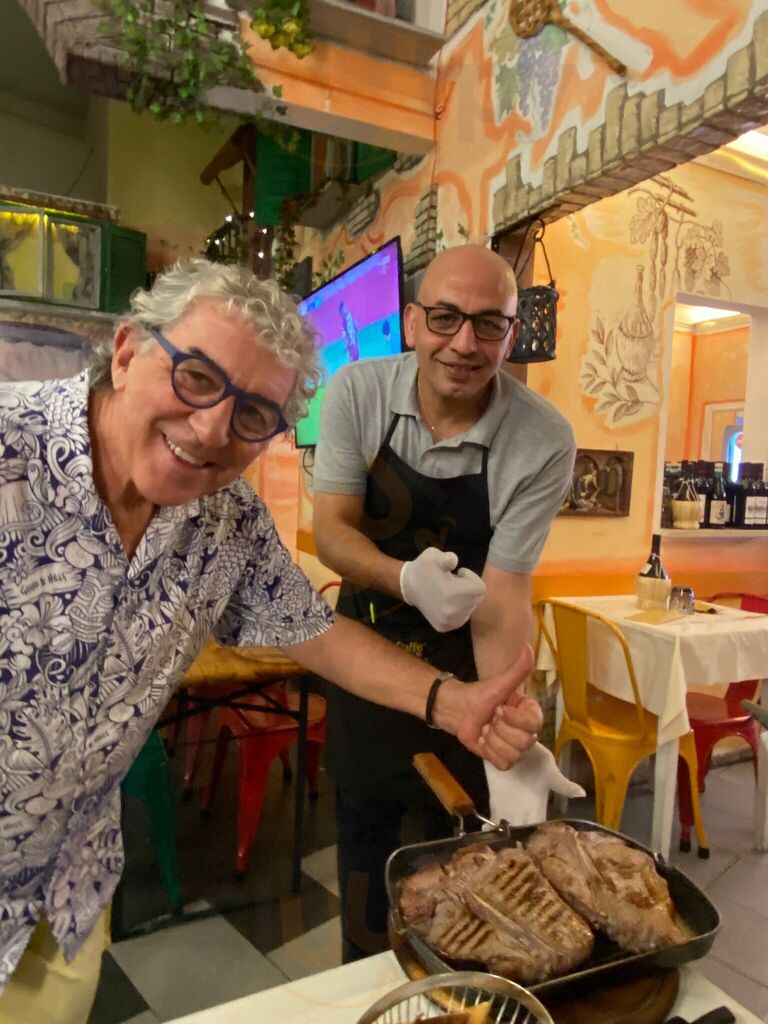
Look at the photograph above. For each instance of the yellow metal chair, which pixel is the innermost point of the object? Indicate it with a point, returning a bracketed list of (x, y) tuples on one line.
[(616, 734)]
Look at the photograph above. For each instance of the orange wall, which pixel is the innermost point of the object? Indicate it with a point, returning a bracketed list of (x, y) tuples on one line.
[(718, 374), (679, 396)]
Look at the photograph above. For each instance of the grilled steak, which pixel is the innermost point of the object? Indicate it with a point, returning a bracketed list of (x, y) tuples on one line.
[(496, 908), (614, 886)]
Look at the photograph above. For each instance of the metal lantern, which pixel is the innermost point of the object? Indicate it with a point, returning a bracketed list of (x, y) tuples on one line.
[(536, 310)]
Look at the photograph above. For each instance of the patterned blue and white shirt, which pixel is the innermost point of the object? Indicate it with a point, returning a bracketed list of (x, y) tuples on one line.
[(92, 645)]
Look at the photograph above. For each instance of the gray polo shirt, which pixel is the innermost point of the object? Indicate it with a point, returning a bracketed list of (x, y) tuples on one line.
[(531, 449)]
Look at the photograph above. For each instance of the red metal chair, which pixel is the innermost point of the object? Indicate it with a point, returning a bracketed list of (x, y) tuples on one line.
[(261, 736), (714, 718)]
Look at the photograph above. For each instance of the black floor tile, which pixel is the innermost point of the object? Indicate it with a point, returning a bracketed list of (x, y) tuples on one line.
[(270, 925), (116, 998), (207, 846)]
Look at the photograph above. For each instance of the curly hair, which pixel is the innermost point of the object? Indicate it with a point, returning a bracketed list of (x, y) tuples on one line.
[(263, 306)]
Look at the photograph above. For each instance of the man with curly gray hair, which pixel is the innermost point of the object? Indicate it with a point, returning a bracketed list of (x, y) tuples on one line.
[(129, 538)]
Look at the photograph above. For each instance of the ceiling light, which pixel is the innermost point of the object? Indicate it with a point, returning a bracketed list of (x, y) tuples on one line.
[(228, 218)]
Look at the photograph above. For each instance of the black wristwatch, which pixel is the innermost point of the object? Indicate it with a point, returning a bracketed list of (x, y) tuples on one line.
[(432, 696)]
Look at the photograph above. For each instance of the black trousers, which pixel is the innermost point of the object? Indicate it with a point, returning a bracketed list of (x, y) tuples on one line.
[(369, 830)]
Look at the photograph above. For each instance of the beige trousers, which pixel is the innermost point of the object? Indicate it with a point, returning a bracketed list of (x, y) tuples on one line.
[(45, 989)]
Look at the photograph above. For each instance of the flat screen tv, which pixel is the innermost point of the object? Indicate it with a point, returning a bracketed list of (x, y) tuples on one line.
[(357, 315)]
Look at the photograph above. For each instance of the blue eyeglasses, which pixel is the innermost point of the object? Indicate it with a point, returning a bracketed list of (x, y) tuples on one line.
[(200, 383)]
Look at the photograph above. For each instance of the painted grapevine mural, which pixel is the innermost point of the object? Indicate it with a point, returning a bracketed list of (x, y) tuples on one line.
[(675, 252)]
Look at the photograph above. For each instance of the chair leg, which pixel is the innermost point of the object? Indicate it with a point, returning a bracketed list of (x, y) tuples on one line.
[(256, 755), (225, 732), (197, 729), (688, 753), (684, 803), (159, 799), (313, 768), (285, 758)]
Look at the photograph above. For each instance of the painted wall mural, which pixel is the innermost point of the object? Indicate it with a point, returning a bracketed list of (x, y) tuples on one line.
[(621, 367)]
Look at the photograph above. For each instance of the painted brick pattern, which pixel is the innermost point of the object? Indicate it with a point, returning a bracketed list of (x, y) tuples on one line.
[(425, 243), (459, 12), (641, 137)]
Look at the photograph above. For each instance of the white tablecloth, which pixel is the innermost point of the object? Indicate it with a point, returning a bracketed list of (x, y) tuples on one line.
[(341, 996), (697, 650)]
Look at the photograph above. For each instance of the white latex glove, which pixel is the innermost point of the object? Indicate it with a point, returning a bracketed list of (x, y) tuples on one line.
[(445, 599), (520, 795)]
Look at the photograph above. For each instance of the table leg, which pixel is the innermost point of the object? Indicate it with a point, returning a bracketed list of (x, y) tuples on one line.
[(761, 792), (301, 763), (665, 788), (564, 761)]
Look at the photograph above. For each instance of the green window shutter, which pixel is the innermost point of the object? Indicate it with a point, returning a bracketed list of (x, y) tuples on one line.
[(371, 160), (123, 266), (280, 174)]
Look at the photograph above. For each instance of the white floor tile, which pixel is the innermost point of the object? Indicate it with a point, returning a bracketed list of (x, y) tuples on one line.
[(321, 866), (194, 966), (743, 940), (703, 873), (745, 991), (316, 950), (745, 882)]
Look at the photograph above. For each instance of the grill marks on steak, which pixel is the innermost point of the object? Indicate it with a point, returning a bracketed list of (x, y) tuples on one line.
[(614, 886), (495, 907)]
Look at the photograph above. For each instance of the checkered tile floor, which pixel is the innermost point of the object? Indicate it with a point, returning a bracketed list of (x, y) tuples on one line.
[(260, 934)]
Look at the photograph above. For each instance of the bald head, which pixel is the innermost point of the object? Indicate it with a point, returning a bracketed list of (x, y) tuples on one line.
[(470, 263)]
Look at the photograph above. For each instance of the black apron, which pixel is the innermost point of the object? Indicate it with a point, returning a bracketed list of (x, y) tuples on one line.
[(370, 748)]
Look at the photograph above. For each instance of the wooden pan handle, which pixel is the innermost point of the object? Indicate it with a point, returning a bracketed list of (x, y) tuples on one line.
[(447, 790)]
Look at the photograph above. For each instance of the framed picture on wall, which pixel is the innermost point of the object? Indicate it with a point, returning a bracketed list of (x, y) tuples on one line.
[(601, 484)]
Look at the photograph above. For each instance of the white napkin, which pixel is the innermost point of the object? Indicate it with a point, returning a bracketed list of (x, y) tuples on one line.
[(520, 795)]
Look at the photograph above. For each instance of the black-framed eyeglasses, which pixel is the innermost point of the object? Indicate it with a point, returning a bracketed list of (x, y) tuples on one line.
[(487, 326), (200, 383)]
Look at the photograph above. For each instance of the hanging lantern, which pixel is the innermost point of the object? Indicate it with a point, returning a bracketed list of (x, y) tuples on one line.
[(536, 309)]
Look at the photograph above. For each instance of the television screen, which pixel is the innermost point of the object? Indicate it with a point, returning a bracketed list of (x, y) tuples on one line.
[(356, 316)]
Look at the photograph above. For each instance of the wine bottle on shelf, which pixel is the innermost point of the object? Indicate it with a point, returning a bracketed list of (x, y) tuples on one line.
[(704, 483), (740, 497), (652, 583), (761, 492), (717, 503), (731, 486), (666, 496), (751, 497), (685, 504)]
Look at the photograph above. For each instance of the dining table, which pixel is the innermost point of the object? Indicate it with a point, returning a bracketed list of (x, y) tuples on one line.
[(341, 996), (716, 645)]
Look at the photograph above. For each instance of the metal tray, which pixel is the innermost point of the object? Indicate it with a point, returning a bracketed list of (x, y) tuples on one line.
[(608, 964)]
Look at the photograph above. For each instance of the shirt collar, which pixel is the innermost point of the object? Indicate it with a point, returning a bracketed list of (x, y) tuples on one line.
[(403, 402)]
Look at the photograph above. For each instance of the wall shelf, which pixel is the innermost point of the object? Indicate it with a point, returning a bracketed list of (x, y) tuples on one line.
[(714, 534)]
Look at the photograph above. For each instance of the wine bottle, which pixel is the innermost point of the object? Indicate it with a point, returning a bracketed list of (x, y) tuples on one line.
[(704, 483), (652, 583), (761, 492), (751, 496), (685, 504), (717, 510)]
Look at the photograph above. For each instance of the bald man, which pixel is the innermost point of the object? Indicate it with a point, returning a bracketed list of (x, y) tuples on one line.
[(436, 479)]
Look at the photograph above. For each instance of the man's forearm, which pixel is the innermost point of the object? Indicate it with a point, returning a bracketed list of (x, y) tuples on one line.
[(348, 552), (362, 662), (501, 625)]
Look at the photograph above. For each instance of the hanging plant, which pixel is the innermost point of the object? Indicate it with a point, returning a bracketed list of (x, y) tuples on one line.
[(176, 53), (284, 23)]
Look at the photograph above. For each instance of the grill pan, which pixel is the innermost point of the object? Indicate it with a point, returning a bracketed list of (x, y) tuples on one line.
[(608, 964)]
